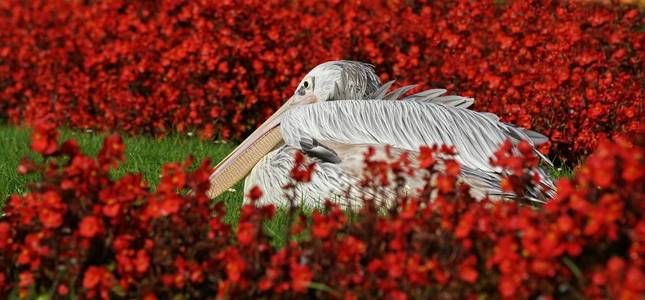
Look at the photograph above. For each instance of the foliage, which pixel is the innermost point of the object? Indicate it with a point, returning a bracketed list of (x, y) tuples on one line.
[(568, 69), (79, 232)]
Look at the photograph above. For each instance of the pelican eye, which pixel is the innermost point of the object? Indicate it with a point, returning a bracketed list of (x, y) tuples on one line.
[(307, 84)]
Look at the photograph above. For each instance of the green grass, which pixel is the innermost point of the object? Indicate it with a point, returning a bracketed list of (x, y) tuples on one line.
[(559, 172), (145, 155)]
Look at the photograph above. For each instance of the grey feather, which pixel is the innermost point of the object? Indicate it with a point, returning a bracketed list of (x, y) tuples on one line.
[(518, 134), (356, 81), (396, 94), (381, 91), (536, 137), (432, 95), (426, 95), (454, 101), (403, 124), (491, 116), (313, 148)]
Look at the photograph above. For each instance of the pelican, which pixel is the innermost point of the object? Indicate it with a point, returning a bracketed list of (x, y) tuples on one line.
[(339, 109)]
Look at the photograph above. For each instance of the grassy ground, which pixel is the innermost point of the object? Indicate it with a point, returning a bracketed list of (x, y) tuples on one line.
[(143, 155)]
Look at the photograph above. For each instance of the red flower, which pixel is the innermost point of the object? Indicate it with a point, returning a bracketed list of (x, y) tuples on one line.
[(246, 233), (426, 157), (302, 171), (170, 205), (445, 184), (235, 267), (142, 261), (255, 193), (507, 287), (93, 276), (113, 151), (321, 227), (44, 138), (89, 227), (49, 218), (452, 168), (26, 279), (467, 270), (63, 290), (5, 235), (301, 277)]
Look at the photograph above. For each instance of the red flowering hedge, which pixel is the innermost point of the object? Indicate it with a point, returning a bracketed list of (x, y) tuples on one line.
[(79, 232), (570, 70)]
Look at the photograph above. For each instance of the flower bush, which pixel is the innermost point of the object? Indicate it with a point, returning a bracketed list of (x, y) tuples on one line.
[(79, 232), (571, 70)]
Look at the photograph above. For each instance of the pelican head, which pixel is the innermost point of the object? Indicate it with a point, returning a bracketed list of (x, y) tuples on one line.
[(329, 81), (338, 80)]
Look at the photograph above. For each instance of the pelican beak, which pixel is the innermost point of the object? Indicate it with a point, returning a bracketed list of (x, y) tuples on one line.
[(265, 138)]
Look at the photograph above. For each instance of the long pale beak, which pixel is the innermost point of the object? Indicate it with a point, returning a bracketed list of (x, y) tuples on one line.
[(239, 163)]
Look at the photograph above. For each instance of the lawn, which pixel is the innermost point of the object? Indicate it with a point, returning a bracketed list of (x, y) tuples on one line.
[(143, 154)]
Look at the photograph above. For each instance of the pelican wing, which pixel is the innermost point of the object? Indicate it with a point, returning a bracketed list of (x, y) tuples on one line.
[(436, 96), (402, 124)]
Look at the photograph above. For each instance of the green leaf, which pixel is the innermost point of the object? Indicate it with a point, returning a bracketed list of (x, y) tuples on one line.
[(574, 269), (322, 287)]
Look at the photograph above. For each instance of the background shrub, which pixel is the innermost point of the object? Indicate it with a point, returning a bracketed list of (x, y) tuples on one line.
[(570, 70)]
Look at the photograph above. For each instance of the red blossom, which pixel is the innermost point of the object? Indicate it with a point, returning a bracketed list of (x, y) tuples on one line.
[(5, 235), (246, 233), (45, 137), (169, 205), (301, 276), (113, 151), (26, 279), (467, 270), (255, 193), (62, 290), (302, 170), (89, 226), (426, 157), (93, 276)]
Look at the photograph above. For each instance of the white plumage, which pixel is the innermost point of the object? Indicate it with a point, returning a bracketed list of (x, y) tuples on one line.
[(340, 108)]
